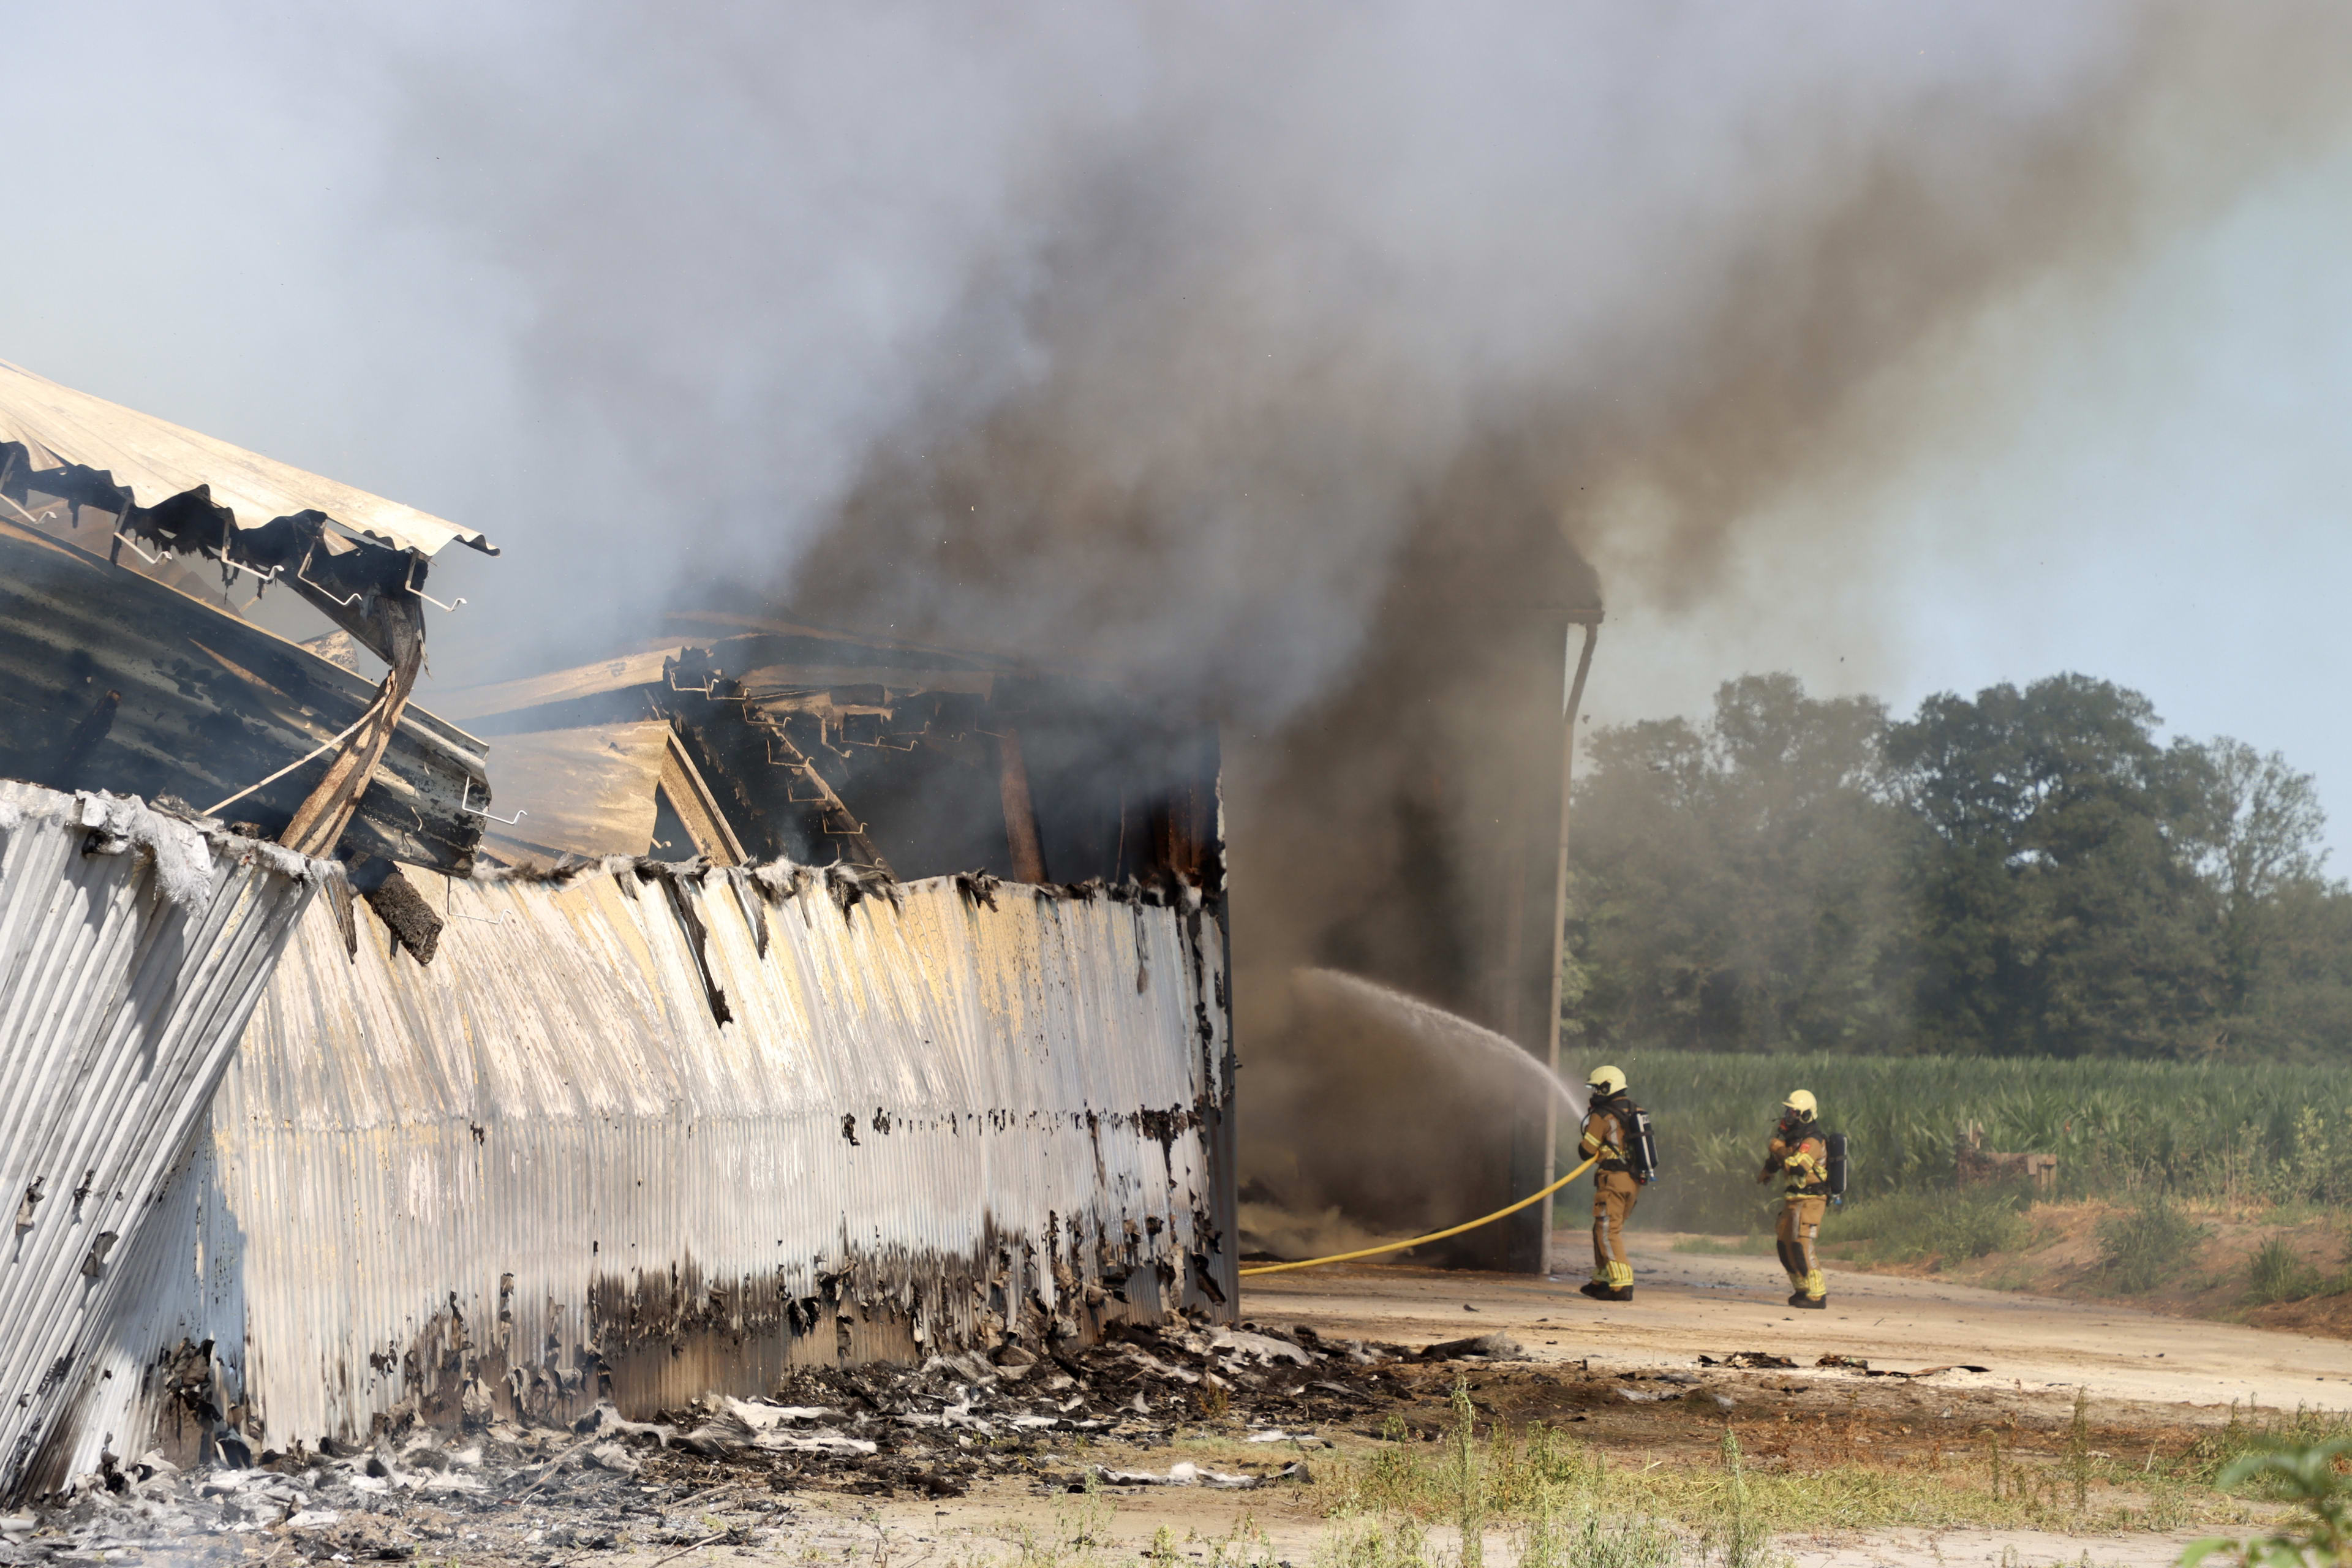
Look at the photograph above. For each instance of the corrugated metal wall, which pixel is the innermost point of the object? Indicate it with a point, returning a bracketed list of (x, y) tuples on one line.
[(642, 1136), (132, 949)]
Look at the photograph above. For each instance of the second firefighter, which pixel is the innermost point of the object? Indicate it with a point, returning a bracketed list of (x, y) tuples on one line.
[(1611, 1133), (1799, 1150)]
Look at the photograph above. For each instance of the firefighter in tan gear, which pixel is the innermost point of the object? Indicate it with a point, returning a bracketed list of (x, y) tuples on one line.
[(1608, 1138), (1799, 1150)]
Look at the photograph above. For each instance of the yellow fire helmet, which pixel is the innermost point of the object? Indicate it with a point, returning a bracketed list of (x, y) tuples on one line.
[(1802, 1102), (1608, 1080)]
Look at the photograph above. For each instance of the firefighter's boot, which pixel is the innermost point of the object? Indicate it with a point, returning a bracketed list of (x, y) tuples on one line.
[(1812, 1291), (1613, 1281)]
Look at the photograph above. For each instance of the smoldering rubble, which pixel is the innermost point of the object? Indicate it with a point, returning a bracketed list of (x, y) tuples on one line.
[(604, 1482)]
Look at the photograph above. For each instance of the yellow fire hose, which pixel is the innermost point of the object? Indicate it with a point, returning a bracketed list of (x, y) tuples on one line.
[(1433, 1235)]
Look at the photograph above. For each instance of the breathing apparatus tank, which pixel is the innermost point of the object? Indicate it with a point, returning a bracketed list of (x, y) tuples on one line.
[(1642, 1149)]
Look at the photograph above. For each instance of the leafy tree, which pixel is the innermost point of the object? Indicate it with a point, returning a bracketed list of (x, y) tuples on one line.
[(2062, 910), (1738, 884), (2025, 872)]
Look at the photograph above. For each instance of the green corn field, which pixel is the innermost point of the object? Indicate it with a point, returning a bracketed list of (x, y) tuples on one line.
[(2232, 1134)]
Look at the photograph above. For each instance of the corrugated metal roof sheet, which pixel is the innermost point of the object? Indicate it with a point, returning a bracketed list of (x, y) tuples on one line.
[(132, 949), (156, 461), (646, 1136), (586, 791)]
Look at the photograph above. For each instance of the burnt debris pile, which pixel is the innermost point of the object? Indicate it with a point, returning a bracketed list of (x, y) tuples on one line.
[(604, 1481)]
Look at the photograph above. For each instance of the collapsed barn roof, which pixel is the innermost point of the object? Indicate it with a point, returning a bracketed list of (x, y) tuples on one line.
[(781, 738), (119, 681)]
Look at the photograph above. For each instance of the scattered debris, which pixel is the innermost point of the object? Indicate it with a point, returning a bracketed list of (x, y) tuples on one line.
[(1184, 1473), (1855, 1363), (931, 1430), (1484, 1347)]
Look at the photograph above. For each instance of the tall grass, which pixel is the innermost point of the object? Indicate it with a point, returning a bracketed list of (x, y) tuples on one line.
[(2144, 1244), (2248, 1133), (1955, 1226), (1563, 1504), (2277, 1272)]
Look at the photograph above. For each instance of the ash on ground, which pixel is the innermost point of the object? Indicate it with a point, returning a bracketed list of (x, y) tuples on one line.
[(608, 1484)]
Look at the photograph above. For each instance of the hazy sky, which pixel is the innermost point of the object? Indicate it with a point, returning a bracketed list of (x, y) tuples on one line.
[(461, 257), (2160, 493)]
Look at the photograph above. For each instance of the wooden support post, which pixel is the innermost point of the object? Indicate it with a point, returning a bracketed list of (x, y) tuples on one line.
[(1020, 810), (698, 808), (318, 822)]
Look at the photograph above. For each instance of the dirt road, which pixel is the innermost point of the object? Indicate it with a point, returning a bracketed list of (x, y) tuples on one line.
[(1687, 1305)]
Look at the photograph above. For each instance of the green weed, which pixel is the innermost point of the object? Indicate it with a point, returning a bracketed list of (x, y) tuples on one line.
[(1628, 1542), (2320, 1530), (2279, 1273), (2142, 1247), (2078, 1449), (1469, 1481), (1954, 1227), (1080, 1532), (1744, 1537), (2250, 1431), (1361, 1543)]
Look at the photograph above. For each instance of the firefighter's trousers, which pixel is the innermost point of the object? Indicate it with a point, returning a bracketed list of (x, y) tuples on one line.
[(1614, 1194), (1800, 1228)]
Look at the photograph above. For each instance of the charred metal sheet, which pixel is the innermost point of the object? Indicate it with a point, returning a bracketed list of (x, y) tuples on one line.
[(133, 946), (114, 681), (598, 1149), (588, 790), (600, 790)]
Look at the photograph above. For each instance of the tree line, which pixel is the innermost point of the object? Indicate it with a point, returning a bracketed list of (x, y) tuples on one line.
[(2024, 872)]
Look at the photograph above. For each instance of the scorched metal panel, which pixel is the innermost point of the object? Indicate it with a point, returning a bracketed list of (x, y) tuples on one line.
[(642, 1135), (133, 947)]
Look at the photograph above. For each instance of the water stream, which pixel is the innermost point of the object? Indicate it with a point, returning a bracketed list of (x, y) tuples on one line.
[(1434, 1027)]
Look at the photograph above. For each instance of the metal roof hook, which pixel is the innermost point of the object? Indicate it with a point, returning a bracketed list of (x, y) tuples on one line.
[(303, 575), (123, 538), (468, 806), (414, 559), (224, 560)]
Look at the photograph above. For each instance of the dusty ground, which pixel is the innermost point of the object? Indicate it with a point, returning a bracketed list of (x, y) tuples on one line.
[(1626, 1379), (1688, 1305)]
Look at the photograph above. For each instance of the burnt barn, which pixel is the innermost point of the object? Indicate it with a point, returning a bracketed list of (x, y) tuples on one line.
[(770, 996)]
